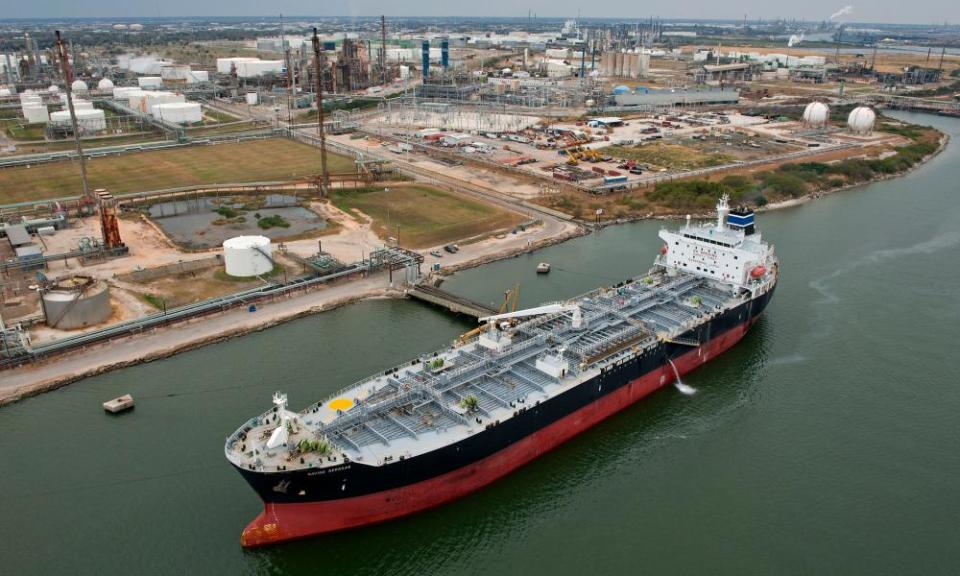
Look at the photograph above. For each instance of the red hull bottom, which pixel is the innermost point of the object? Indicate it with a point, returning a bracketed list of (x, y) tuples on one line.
[(279, 522)]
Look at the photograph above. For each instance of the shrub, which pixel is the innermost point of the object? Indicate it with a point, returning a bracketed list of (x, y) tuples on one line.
[(781, 184), (227, 212), (274, 221)]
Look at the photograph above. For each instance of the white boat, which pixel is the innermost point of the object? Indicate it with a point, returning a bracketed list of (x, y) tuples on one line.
[(543, 268)]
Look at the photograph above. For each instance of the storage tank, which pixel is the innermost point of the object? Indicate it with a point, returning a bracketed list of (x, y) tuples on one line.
[(150, 81), (79, 86), (87, 120), (861, 120), (105, 84), (252, 98), (816, 114), (76, 302), (36, 114), (246, 256), (178, 112)]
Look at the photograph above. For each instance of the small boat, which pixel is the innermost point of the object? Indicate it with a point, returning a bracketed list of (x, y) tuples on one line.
[(119, 404), (543, 268)]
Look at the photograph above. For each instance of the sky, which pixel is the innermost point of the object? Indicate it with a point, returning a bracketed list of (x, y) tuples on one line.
[(887, 11)]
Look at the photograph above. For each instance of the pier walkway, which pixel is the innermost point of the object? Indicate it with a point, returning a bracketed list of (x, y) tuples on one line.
[(451, 302)]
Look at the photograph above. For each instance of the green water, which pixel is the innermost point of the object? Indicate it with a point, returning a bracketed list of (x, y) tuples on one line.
[(826, 442)]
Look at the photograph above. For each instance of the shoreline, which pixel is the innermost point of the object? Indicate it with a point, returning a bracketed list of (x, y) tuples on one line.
[(789, 203), (15, 393), (357, 294)]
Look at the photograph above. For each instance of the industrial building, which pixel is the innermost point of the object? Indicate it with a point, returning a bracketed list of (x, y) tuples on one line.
[(651, 99), (724, 73)]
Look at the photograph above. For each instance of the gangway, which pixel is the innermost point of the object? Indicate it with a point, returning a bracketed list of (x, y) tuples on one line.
[(452, 302)]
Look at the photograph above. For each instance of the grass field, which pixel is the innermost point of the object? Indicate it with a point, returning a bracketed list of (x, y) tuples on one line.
[(672, 156), (427, 217), (259, 160)]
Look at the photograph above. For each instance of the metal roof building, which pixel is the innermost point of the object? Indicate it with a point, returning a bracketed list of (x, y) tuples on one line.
[(17, 235)]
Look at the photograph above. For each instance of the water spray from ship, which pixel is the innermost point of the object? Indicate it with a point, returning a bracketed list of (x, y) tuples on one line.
[(678, 383)]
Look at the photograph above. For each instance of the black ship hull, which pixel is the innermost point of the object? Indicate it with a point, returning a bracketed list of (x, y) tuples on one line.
[(313, 501)]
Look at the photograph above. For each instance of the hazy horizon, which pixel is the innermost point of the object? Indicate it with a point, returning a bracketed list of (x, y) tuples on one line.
[(880, 11)]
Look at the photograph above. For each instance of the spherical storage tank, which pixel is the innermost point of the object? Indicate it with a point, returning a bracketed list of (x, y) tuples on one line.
[(79, 86), (245, 256), (816, 114), (861, 120), (105, 84), (76, 302)]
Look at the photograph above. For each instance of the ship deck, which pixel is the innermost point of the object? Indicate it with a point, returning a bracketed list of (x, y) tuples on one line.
[(445, 396)]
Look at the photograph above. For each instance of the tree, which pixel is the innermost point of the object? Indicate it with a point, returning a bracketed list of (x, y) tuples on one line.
[(470, 404)]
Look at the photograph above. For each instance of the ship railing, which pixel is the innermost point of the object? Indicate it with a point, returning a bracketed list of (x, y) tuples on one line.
[(361, 411), (360, 383)]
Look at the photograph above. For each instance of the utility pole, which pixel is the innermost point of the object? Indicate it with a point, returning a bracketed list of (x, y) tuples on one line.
[(325, 177), (68, 81)]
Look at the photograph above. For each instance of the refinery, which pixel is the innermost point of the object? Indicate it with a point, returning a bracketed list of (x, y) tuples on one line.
[(167, 184)]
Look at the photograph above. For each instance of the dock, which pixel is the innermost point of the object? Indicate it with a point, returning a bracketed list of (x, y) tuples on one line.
[(452, 302)]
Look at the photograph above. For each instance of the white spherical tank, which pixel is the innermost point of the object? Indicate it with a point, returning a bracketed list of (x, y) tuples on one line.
[(53, 89), (245, 256), (861, 120), (816, 114), (79, 86), (105, 84)]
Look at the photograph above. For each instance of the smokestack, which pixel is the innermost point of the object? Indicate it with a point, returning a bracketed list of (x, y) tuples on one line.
[(425, 53)]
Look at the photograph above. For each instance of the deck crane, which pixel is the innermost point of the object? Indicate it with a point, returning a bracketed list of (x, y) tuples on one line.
[(497, 340), (510, 298)]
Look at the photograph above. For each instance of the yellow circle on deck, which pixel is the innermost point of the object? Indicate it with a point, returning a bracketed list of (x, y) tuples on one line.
[(341, 404)]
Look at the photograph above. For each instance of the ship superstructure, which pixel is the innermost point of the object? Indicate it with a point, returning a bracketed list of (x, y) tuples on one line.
[(408, 438)]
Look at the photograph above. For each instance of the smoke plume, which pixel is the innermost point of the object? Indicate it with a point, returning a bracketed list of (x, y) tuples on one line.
[(841, 12)]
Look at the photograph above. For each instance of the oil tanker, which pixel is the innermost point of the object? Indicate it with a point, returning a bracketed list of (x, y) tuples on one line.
[(450, 422)]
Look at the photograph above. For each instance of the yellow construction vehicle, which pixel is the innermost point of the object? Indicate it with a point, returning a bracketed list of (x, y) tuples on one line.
[(510, 298)]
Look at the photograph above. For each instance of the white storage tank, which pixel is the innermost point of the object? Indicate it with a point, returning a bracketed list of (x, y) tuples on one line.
[(252, 98), (816, 114), (79, 86), (246, 256), (76, 302), (88, 121), (861, 120), (178, 112), (105, 84), (125, 92), (150, 81), (36, 114)]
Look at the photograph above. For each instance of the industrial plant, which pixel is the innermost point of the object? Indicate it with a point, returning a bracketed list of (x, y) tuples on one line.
[(145, 182)]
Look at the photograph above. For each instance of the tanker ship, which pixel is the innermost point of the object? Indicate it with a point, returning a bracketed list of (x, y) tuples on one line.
[(452, 421)]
